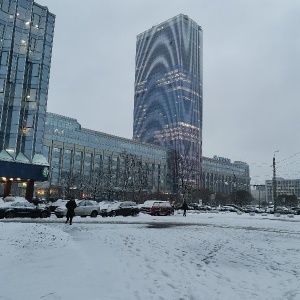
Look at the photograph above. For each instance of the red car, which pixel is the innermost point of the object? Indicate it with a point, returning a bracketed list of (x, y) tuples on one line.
[(161, 208)]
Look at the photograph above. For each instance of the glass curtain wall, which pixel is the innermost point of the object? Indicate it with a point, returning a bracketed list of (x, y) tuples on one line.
[(26, 36), (168, 94), (101, 165)]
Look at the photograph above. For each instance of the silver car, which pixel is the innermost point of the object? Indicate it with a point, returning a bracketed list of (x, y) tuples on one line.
[(84, 208)]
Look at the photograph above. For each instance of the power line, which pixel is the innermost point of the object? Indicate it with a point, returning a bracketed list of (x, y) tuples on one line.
[(288, 157)]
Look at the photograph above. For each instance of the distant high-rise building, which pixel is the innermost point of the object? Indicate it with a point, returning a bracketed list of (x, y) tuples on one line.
[(26, 35), (168, 93)]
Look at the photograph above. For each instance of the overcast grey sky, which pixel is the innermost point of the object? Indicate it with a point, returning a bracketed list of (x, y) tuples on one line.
[(251, 72)]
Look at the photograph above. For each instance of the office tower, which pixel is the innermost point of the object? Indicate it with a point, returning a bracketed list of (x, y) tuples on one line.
[(168, 93), (26, 35)]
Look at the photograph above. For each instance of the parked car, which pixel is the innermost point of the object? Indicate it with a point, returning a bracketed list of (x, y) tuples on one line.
[(295, 210), (282, 210), (269, 209), (203, 207), (147, 205), (84, 208), (251, 208), (177, 205), (126, 208), (238, 208), (58, 203), (162, 208), (9, 198), (228, 208), (23, 210)]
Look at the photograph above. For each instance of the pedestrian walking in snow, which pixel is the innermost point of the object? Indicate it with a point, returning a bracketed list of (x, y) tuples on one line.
[(184, 207), (71, 205)]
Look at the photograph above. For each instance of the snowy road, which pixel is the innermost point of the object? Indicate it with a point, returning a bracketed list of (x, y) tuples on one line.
[(221, 256)]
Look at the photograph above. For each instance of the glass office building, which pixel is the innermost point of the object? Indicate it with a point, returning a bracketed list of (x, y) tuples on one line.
[(26, 36), (220, 175), (87, 163), (284, 187), (168, 92)]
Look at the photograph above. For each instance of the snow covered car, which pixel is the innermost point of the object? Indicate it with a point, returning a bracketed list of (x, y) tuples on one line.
[(9, 198), (282, 210), (84, 208), (58, 203), (228, 208), (23, 210), (126, 208)]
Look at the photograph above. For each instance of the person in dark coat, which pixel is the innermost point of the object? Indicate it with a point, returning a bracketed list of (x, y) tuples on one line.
[(71, 205), (184, 207)]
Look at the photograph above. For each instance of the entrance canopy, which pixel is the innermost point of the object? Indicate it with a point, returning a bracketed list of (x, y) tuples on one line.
[(15, 171)]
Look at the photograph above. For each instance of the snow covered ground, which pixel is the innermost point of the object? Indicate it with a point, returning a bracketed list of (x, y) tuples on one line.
[(203, 256)]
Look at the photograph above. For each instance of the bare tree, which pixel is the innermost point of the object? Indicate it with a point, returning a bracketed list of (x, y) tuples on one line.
[(69, 184), (127, 174), (186, 174)]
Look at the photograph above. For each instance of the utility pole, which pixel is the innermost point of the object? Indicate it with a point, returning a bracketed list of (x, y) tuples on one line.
[(274, 182), (234, 186)]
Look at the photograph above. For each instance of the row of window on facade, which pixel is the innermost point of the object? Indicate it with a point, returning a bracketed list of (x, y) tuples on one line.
[(224, 183), (71, 167)]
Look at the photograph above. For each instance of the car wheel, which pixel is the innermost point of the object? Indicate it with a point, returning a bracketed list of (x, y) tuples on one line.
[(113, 214), (44, 214), (94, 214), (10, 215)]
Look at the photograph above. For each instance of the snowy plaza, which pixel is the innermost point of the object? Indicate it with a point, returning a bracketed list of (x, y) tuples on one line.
[(203, 256)]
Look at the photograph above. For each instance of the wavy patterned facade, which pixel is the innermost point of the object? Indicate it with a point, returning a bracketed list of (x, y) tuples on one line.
[(168, 91)]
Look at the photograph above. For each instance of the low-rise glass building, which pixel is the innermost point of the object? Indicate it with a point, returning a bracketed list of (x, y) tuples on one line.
[(88, 163), (221, 176)]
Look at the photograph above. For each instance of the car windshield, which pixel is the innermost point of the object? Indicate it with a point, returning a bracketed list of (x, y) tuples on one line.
[(20, 204), (17, 204)]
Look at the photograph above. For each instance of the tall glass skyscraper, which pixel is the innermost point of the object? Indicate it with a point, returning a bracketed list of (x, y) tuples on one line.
[(26, 36), (168, 93)]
